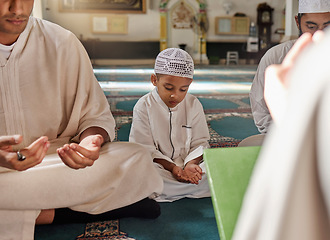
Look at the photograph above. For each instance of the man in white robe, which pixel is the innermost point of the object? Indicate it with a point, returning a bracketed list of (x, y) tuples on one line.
[(171, 124), (313, 15), (288, 196), (64, 159)]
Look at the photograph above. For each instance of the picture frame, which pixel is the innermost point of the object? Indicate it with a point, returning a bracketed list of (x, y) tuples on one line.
[(109, 24), (101, 6), (232, 25)]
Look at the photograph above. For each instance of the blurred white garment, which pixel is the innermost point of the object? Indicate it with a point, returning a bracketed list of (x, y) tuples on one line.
[(289, 193)]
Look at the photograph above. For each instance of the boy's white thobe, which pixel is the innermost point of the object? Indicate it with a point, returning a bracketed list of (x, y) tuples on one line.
[(176, 134)]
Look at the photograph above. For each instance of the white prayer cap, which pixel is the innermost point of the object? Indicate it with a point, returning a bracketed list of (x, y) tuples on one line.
[(175, 62), (314, 6)]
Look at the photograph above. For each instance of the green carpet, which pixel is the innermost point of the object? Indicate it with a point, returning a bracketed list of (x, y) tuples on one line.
[(126, 105), (217, 104), (228, 126), (58, 232), (183, 219)]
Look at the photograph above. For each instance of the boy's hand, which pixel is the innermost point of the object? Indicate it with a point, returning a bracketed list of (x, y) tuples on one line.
[(193, 172), (179, 174)]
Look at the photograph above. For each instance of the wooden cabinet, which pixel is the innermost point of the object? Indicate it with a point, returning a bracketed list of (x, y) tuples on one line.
[(232, 25)]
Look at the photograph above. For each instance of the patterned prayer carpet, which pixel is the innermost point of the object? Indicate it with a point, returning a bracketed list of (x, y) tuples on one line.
[(107, 230), (228, 116), (222, 92)]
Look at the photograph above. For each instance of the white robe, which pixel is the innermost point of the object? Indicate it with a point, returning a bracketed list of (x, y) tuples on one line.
[(289, 193), (48, 88), (177, 135), (261, 115)]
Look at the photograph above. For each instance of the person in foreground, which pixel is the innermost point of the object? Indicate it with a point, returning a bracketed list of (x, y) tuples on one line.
[(288, 196), (313, 15), (171, 124), (61, 167)]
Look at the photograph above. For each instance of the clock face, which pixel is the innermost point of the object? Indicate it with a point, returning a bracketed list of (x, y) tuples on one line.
[(265, 17)]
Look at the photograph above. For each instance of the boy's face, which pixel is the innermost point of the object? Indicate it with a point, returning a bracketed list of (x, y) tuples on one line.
[(171, 89)]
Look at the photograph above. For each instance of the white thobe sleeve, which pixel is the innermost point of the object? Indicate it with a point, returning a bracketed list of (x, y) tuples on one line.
[(199, 135), (261, 115), (89, 107)]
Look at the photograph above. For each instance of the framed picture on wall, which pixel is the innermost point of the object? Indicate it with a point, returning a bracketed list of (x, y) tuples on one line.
[(97, 6), (232, 25)]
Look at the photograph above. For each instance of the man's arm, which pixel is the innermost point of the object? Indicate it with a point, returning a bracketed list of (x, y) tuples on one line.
[(95, 131), (87, 151), (259, 108), (260, 112)]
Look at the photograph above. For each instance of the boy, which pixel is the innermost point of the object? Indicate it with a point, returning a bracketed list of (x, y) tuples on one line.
[(171, 124)]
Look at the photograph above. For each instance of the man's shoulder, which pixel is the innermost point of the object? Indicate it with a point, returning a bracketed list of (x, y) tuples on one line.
[(282, 47), (276, 54), (53, 30)]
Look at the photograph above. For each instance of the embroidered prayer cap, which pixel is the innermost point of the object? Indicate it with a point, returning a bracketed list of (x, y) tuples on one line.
[(175, 62), (314, 6)]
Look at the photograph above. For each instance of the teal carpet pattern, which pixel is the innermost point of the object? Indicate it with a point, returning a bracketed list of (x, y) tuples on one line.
[(223, 92)]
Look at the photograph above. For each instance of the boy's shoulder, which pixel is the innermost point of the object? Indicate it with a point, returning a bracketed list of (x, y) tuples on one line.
[(191, 98), (143, 101), (192, 101)]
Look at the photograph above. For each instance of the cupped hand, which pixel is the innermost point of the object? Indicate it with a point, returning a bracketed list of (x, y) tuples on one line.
[(34, 154), (179, 174), (83, 154), (193, 172)]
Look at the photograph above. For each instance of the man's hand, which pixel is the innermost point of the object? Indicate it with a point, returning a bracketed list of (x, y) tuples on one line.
[(34, 153), (83, 154)]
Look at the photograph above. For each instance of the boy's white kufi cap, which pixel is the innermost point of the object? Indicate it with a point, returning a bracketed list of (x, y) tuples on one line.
[(314, 6), (174, 62)]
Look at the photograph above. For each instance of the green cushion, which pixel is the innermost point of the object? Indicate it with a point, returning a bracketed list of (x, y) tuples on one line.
[(229, 171)]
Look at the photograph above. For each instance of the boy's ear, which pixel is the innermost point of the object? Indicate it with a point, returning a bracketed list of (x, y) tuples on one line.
[(153, 79)]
